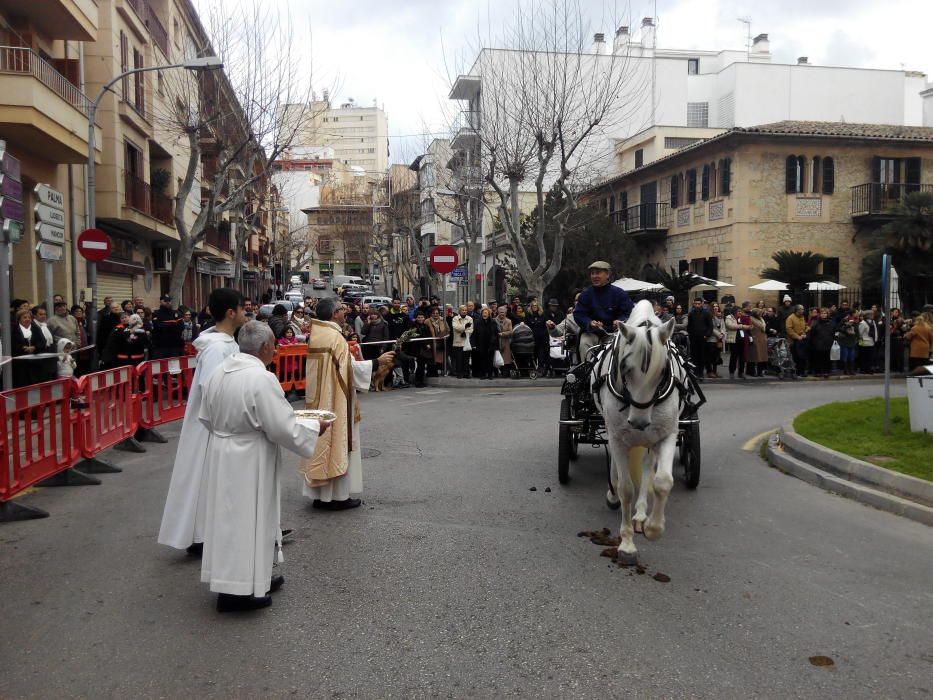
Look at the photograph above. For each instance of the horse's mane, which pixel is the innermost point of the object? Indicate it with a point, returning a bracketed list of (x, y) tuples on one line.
[(643, 311), (646, 355)]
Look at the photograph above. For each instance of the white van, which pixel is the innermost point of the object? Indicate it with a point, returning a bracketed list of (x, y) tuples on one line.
[(343, 280), (376, 301)]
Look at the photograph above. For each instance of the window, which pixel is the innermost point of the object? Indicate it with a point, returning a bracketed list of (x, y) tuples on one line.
[(691, 186), (639, 158), (683, 266), (725, 176), (816, 175), (693, 66), (139, 95), (612, 203), (160, 81), (176, 32), (133, 160), (675, 142), (712, 180), (794, 168), (704, 187), (125, 64), (698, 114), (623, 201), (675, 191)]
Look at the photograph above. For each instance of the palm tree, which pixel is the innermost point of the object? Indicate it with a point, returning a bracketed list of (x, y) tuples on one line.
[(795, 269), (678, 283), (909, 239)]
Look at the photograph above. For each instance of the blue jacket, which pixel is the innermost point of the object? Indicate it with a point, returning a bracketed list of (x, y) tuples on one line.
[(606, 304)]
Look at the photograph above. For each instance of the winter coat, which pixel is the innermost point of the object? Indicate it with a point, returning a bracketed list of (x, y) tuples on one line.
[(398, 323), (796, 327), (26, 372), (732, 328), (537, 323), (423, 350), (166, 329), (699, 323), (440, 330), (921, 340), (485, 337), (821, 336), (758, 348), (463, 329), (125, 347), (867, 333), (64, 327), (375, 332), (847, 334), (505, 339), (278, 324)]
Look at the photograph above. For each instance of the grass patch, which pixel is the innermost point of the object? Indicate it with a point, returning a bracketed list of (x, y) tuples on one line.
[(856, 428)]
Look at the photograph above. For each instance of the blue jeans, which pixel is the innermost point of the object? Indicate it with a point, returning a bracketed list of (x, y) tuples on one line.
[(846, 355)]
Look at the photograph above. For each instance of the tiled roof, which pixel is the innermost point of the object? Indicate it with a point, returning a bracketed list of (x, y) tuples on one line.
[(893, 132)]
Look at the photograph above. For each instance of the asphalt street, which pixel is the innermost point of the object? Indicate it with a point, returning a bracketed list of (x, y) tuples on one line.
[(455, 579)]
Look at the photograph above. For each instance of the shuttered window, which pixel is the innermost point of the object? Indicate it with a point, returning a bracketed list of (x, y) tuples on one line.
[(912, 174), (829, 175), (675, 191), (725, 176), (704, 185), (125, 64), (794, 174), (691, 186)]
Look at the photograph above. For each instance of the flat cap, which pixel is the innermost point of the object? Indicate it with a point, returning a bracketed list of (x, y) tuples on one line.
[(600, 265)]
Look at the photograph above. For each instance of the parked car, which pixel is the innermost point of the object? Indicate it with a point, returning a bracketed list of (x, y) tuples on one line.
[(265, 311), (318, 283), (376, 301)]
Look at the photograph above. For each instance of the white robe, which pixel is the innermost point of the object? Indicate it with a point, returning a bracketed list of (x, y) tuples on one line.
[(339, 489), (249, 421), (183, 517)]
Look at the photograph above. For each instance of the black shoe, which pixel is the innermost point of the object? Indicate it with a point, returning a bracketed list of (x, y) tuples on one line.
[(196, 550), (276, 583), (240, 603), (336, 505)]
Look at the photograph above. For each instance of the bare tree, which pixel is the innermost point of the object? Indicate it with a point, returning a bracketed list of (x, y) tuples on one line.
[(230, 121), (543, 118)]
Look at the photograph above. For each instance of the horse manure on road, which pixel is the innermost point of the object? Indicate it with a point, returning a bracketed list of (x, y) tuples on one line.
[(663, 578), (609, 552), (820, 660)]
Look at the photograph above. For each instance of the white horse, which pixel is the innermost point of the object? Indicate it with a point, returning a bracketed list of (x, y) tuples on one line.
[(638, 384)]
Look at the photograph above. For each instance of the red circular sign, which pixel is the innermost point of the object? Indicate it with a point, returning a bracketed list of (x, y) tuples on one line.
[(444, 258), (94, 244)]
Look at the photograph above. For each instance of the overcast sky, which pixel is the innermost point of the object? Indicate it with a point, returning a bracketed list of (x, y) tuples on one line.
[(400, 53)]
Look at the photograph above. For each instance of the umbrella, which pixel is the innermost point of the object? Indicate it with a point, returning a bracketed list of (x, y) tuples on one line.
[(770, 286), (630, 284), (705, 284), (824, 286)]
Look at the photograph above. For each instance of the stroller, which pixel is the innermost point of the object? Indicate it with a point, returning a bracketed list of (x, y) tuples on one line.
[(523, 353), (779, 358), (560, 352)]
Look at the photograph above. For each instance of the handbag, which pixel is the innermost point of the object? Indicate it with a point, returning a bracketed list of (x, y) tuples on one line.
[(466, 345), (497, 360), (835, 352)]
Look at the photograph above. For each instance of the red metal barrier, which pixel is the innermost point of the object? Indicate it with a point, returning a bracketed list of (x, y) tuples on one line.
[(110, 416), (38, 435), (163, 389), (289, 365)]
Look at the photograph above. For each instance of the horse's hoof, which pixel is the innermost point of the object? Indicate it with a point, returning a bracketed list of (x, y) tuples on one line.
[(613, 506), (654, 532), (626, 559)]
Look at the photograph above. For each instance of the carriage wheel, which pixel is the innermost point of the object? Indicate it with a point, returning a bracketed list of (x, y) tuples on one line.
[(564, 443), (574, 446), (690, 455)]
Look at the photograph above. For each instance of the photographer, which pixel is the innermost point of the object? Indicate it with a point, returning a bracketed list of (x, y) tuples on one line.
[(463, 329)]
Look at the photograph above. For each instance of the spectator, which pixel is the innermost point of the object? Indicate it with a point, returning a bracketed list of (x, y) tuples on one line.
[(50, 365), (485, 343), (376, 330), (128, 307), (166, 330), (288, 337), (920, 336), (537, 322), (299, 323), (714, 343), (796, 329), (699, 328), (66, 361), (189, 328), (898, 329), (786, 310), (756, 357), (423, 352), (83, 357), (736, 334), (462, 345), (439, 330), (205, 320), (63, 325), (846, 335), (106, 308), (867, 338), (504, 325), (398, 323), (820, 342), (279, 320), (570, 331), (28, 339), (128, 344), (553, 312)]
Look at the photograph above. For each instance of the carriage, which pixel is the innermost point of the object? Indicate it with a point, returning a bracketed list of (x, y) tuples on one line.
[(582, 423)]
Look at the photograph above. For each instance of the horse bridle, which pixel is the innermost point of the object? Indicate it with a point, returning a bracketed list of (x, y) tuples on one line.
[(662, 392)]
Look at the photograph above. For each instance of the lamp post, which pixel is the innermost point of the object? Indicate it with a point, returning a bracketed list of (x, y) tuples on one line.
[(90, 214), (275, 237)]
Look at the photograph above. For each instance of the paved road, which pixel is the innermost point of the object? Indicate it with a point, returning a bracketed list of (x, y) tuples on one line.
[(456, 580)]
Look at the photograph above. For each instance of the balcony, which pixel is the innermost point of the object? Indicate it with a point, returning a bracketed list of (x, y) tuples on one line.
[(645, 222), (877, 201), (218, 237), (42, 111), (76, 20), (148, 17), (465, 131), (140, 196), (467, 178), (465, 87)]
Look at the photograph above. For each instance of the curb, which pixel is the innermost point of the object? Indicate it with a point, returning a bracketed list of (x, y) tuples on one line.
[(860, 481), (453, 383)]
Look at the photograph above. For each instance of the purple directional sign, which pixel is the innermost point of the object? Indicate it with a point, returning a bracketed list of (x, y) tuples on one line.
[(10, 166), (11, 209), (11, 188)]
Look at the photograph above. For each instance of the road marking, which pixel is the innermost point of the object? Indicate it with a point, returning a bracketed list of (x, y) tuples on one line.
[(752, 443), (431, 392), (418, 403), (26, 492)]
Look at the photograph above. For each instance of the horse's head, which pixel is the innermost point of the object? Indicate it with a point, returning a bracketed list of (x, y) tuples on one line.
[(641, 360)]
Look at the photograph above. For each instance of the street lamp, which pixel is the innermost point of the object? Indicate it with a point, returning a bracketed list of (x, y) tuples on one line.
[(203, 63)]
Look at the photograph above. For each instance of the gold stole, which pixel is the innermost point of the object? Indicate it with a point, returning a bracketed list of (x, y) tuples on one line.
[(329, 386)]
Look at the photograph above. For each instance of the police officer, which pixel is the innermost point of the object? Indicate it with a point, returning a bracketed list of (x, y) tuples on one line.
[(166, 330), (601, 307)]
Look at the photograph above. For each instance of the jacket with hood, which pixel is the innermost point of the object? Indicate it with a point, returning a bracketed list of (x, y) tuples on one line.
[(66, 362)]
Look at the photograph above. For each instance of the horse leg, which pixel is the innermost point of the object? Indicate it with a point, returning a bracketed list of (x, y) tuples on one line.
[(612, 495), (663, 482), (621, 467), (637, 457)]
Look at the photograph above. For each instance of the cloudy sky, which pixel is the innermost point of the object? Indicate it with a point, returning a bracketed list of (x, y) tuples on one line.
[(401, 53)]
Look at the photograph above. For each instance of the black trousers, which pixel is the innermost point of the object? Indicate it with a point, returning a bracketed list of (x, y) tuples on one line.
[(698, 352)]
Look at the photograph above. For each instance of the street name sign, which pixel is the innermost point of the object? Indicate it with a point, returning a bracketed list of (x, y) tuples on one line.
[(50, 233), (50, 252), (49, 197), (49, 215), (444, 259), (94, 245), (458, 272)]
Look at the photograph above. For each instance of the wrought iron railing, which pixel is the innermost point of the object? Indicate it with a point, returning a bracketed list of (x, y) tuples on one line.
[(651, 216), (23, 61), (882, 197), (145, 12), (139, 195)]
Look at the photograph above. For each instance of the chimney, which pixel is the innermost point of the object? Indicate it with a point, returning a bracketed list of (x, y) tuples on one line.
[(599, 43), (647, 33), (760, 44), (621, 41), (802, 61)]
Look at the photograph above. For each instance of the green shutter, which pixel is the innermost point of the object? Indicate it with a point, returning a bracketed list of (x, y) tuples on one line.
[(829, 175)]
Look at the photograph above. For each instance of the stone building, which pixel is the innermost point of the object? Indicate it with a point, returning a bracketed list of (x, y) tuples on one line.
[(723, 205)]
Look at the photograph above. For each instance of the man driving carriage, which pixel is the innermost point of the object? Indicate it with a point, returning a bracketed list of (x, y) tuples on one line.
[(600, 308)]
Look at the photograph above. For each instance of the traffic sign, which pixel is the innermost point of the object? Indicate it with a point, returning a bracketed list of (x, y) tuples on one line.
[(11, 209), (458, 272), (10, 187), (50, 233), (13, 230), (49, 197), (444, 258), (94, 244), (49, 215), (50, 252)]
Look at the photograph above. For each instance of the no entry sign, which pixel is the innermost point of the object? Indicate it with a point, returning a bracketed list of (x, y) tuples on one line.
[(444, 258), (94, 244)]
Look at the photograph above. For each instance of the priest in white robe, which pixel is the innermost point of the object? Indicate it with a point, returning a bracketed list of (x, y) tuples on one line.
[(249, 421), (335, 472), (183, 518)]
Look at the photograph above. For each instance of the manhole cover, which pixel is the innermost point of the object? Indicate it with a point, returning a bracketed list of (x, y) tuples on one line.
[(370, 452)]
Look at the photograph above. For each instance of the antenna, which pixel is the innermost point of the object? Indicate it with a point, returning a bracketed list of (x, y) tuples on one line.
[(747, 21)]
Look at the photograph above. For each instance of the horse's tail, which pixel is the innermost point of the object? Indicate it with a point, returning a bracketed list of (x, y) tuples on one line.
[(636, 456)]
